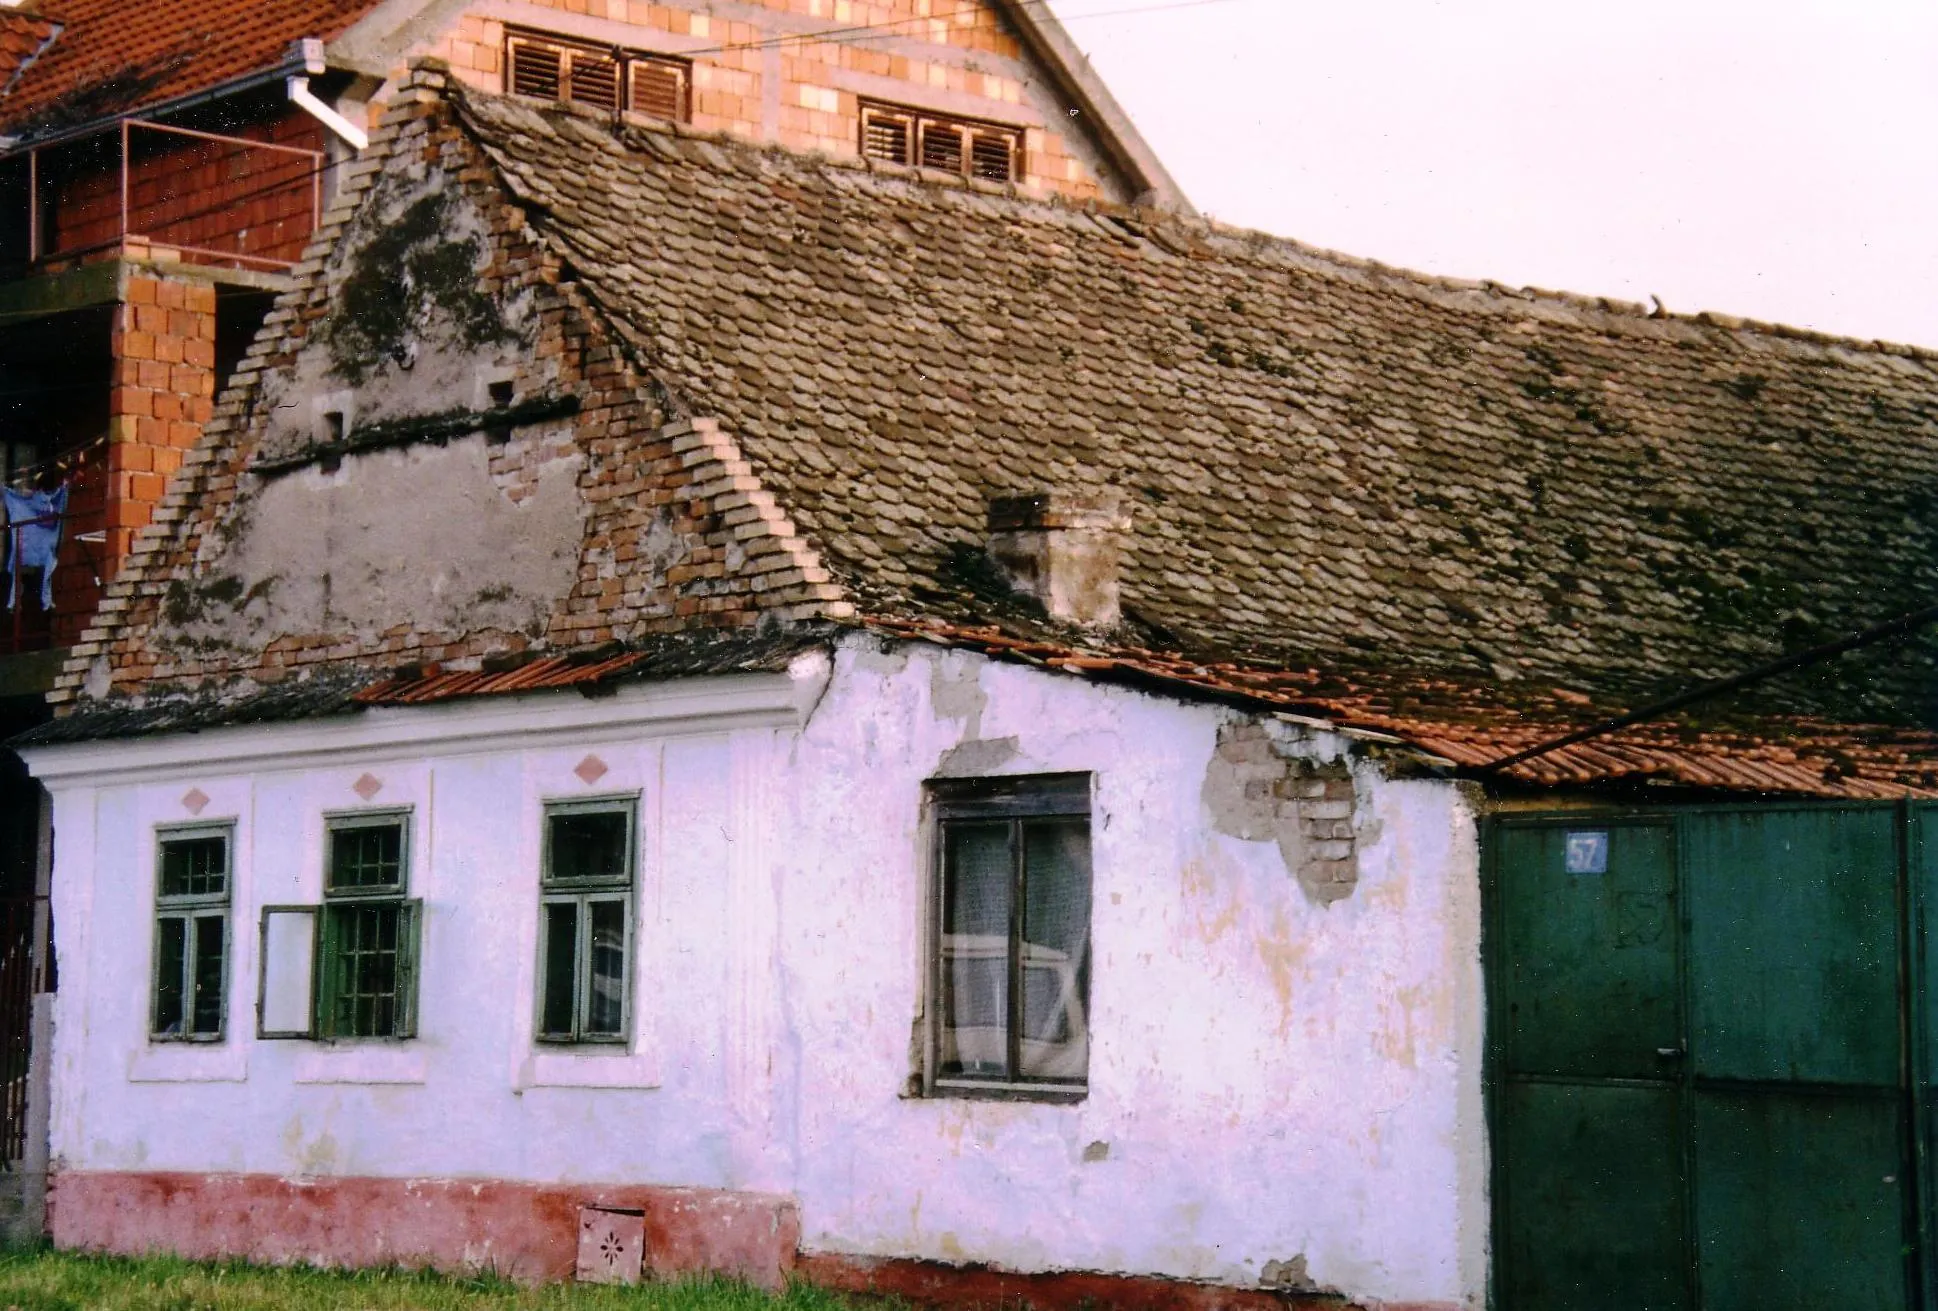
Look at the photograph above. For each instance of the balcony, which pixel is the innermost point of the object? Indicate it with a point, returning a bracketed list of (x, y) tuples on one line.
[(163, 192)]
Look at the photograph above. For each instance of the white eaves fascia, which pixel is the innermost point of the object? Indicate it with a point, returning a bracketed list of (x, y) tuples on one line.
[(534, 720)]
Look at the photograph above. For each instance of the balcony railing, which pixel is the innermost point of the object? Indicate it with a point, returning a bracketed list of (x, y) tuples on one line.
[(199, 196)]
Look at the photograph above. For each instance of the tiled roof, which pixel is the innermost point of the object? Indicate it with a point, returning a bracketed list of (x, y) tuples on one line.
[(22, 38), (1468, 518), (684, 655), (113, 56), (1329, 463)]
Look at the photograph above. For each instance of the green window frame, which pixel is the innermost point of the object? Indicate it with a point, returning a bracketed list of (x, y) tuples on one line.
[(1009, 980), (189, 984), (586, 934), (347, 967)]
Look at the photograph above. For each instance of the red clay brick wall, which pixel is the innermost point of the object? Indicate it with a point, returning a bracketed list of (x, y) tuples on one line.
[(164, 391), (954, 56), (185, 191)]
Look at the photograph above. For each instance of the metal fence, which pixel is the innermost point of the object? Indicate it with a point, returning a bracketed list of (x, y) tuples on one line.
[(24, 941)]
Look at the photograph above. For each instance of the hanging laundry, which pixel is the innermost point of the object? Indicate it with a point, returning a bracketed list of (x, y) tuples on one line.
[(34, 533)]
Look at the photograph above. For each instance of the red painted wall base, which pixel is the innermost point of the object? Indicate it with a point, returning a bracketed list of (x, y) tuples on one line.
[(527, 1232), (967, 1287)]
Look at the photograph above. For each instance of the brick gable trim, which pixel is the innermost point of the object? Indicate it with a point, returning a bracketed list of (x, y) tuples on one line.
[(754, 562), (149, 555)]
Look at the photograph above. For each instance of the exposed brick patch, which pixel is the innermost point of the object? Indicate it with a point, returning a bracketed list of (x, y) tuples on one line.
[(1260, 788)]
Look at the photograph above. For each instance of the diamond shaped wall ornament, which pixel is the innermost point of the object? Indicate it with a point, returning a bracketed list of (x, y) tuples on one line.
[(612, 1245), (194, 801), (591, 769), (368, 786)]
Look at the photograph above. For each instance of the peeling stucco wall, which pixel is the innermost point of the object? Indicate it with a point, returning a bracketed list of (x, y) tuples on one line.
[(1284, 1083), (1284, 1091), (422, 535), (412, 332)]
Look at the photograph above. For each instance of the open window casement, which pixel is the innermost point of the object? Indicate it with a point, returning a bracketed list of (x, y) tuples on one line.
[(340, 970), (286, 985)]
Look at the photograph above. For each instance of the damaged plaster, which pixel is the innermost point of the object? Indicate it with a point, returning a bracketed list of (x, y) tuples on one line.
[(346, 554), (956, 692), (415, 328), (1258, 788)]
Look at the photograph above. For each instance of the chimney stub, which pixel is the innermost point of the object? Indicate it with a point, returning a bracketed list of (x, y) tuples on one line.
[(1064, 549)]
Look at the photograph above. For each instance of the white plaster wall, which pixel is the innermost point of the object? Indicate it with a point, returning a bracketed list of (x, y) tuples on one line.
[(1270, 1079)]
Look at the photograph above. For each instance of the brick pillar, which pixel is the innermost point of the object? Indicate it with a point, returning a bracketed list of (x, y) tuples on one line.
[(164, 391)]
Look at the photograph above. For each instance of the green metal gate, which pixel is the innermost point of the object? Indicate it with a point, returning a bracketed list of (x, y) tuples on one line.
[(1702, 1057)]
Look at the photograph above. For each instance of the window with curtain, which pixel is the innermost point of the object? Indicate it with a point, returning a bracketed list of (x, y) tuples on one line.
[(1011, 967)]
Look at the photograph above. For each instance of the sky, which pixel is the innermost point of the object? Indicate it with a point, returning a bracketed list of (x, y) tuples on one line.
[(1776, 160)]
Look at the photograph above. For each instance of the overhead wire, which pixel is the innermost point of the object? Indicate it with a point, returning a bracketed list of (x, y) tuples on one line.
[(865, 31)]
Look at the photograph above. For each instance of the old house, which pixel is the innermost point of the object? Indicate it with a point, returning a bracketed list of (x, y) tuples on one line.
[(815, 715), (163, 167)]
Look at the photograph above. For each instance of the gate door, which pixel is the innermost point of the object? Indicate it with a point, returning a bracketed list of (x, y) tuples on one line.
[(1699, 1076), (1589, 1104)]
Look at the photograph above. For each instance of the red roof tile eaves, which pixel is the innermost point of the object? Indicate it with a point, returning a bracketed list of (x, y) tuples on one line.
[(559, 671), (1652, 753)]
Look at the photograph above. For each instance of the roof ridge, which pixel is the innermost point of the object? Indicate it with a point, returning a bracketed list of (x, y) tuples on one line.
[(1483, 294)]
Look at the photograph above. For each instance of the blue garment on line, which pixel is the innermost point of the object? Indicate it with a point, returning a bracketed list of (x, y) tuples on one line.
[(33, 545)]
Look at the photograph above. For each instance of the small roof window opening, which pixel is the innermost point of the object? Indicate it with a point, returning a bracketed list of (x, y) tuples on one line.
[(611, 78), (896, 134)]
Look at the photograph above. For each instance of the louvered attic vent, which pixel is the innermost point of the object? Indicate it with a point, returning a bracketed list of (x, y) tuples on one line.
[(603, 77), (898, 135)]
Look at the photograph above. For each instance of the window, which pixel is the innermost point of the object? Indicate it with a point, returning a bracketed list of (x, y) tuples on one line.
[(989, 151), (347, 968), (585, 921), (191, 934), (604, 77), (1011, 980)]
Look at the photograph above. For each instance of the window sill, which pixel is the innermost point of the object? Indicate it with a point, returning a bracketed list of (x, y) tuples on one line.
[(1053, 1094), (189, 1062), (590, 1068), (376, 1065)]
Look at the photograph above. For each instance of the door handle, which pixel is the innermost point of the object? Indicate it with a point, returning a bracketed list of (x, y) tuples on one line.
[(1670, 1053)]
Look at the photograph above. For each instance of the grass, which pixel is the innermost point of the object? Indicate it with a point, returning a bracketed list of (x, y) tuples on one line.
[(66, 1281)]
